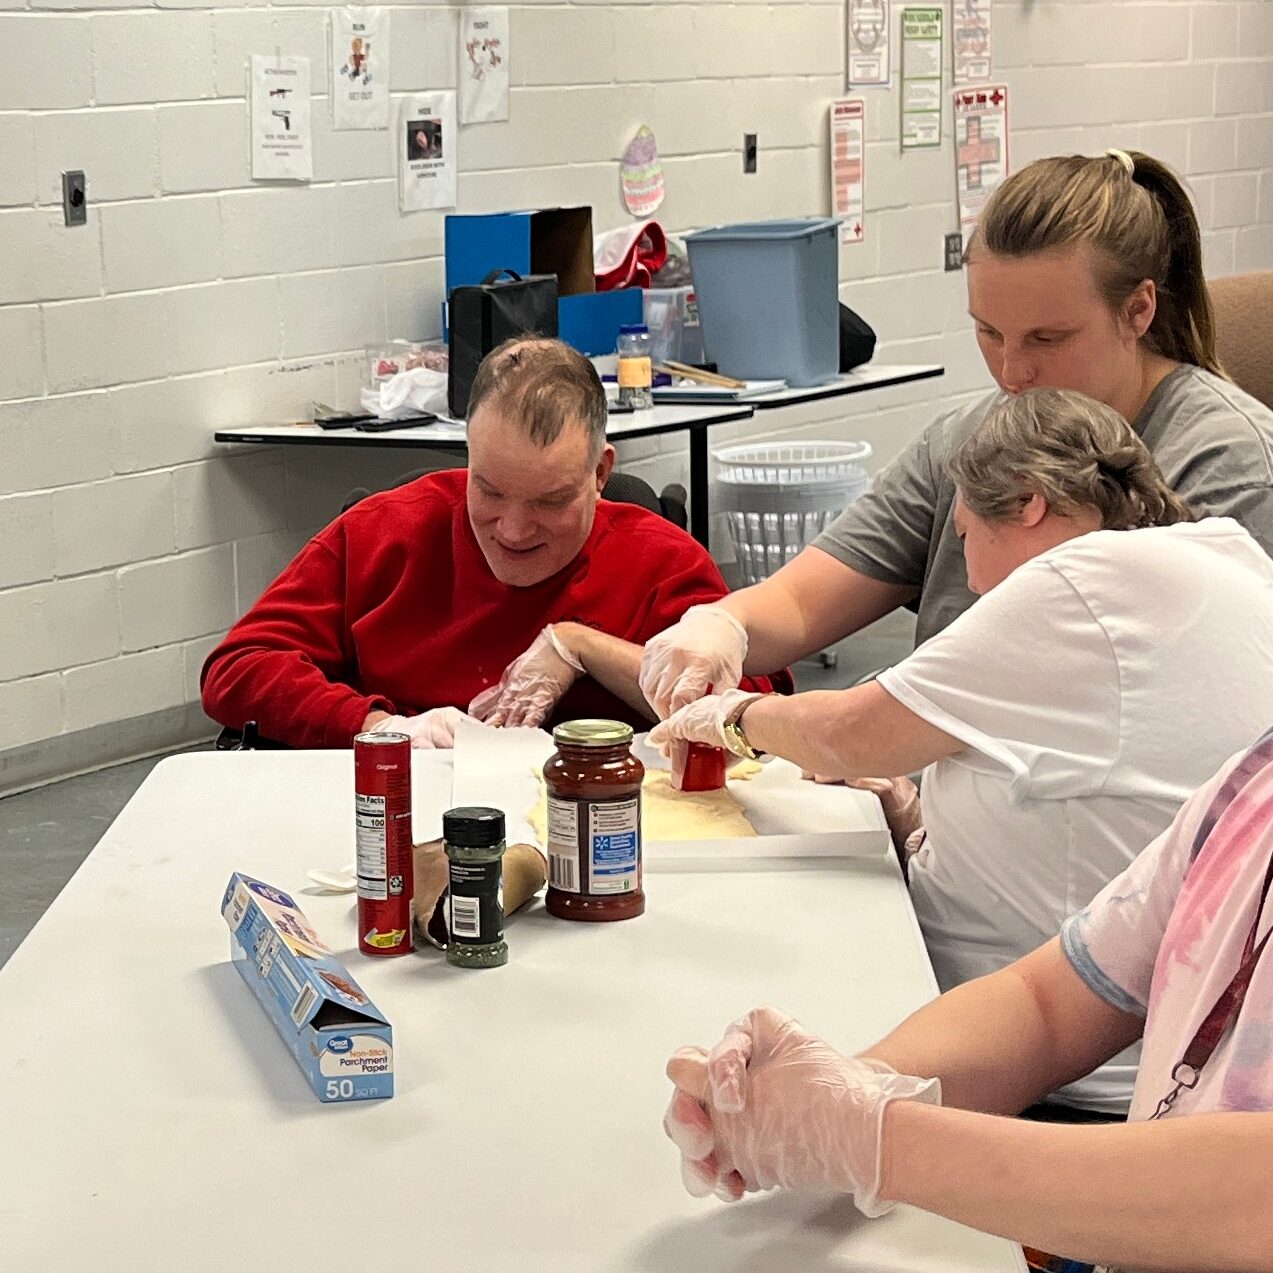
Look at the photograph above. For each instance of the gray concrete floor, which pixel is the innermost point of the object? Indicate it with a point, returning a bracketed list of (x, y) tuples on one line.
[(45, 834)]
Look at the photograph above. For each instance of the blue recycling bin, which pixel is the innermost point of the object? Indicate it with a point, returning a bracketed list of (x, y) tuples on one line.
[(768, 298)]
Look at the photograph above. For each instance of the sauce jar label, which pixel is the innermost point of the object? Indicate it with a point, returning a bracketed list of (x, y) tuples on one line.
[(614, 846), (563, 844)]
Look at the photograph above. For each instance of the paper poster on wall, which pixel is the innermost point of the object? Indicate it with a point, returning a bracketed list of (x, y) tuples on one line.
[(360, 68), (868, 43), (282, 140), (426, 152), (484, 62), (848, 129), (970, 39), (641, 174), (921, 78), (981, 148)]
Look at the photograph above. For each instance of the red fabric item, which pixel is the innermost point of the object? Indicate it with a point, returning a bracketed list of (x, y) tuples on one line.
[(393, 607), (640, 261)]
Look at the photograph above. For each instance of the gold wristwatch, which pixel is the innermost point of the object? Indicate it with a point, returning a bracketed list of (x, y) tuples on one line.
[(733, 730)]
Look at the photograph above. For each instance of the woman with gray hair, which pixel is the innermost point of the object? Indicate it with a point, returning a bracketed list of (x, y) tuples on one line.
[(1063, 720)]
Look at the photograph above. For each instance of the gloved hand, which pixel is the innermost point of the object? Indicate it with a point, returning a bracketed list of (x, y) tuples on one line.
[(707, 647), (431, 730), (702, 721), (771, 1106), (899, 798), (532, 684)]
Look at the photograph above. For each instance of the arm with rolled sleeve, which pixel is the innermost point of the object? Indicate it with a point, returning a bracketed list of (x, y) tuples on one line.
[(288, 663), (1113, 943)]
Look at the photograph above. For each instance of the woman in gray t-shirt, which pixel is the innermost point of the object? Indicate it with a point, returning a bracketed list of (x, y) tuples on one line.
[(1083, 273)]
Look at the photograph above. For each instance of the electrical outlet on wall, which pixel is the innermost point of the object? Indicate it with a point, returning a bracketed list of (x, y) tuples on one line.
[(954, 251), (749, 152)]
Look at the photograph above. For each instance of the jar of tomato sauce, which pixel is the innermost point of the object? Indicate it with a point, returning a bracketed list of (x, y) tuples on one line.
[(594, 823)]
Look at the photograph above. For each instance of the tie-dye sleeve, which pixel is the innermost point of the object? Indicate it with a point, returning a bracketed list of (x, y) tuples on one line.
[(1113, 943)]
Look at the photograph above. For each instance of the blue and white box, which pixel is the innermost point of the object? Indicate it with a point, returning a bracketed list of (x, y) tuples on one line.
[(339, 1038)]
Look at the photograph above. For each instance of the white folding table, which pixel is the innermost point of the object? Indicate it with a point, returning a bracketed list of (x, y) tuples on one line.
[(151, 1119)]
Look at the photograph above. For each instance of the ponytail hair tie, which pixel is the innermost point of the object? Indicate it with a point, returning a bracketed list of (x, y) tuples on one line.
[(1129, 164)]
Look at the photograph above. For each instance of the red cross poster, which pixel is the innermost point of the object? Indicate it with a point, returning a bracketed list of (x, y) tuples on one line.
[(981, 148), (848, 150)]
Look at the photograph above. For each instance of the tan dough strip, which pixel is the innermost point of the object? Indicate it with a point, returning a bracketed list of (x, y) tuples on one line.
[(667, 814)]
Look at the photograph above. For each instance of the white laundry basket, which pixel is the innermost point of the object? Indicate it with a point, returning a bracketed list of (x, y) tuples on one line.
[(779, 496)]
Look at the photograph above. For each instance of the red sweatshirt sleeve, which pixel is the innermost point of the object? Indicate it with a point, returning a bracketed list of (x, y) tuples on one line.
[(288, 663), (694, 579)]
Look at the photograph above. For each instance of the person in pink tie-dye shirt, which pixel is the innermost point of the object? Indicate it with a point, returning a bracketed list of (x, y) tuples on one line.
[(1176, 951)]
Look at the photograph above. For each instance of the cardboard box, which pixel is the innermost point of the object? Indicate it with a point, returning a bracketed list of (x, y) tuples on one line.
[(549, 241), (339, 1038)]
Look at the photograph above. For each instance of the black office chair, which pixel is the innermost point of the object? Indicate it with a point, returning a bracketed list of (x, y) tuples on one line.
[(246, 739), (623, 488)]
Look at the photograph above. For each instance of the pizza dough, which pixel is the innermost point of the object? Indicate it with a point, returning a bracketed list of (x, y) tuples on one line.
[(668, 814)]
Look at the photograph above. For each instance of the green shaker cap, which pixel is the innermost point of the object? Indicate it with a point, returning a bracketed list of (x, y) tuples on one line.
[(473, 826), (592, 733)]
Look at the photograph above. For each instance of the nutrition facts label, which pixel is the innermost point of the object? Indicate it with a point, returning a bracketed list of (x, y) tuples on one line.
[(563, 844), (369, 836)]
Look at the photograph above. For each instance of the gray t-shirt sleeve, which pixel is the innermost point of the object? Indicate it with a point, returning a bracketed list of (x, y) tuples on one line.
[(890, 533), (885, 534), (1214, 445)]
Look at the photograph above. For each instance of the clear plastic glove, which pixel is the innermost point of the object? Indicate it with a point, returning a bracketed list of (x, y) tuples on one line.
[(771, 1106), (433, 730), (706, 648), (532, 684), (702, 721), (899, 798)]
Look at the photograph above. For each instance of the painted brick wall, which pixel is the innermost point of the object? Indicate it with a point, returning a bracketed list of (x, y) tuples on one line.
[(194, 299)]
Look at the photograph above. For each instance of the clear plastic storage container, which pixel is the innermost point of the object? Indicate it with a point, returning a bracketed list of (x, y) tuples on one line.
[(671, 314)]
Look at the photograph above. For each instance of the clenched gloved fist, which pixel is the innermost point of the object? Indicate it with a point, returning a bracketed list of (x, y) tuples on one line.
[(771, 1106), (705, 649), (532, 684)]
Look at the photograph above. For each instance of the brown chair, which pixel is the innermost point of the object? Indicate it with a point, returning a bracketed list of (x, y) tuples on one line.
[(1243, 305)]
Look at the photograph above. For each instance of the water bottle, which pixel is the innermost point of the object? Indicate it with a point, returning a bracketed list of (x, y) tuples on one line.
[(636, 369)]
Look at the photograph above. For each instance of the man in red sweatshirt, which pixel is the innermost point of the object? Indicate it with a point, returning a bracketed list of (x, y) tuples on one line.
[(415, 601)]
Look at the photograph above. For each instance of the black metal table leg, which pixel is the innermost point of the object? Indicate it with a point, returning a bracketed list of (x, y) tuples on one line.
[(700, 518)]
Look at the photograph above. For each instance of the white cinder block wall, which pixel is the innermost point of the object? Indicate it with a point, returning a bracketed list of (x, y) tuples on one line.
[(194, 299)]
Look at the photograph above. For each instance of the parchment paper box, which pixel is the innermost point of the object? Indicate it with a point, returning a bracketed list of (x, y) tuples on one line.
[(339, 1038)]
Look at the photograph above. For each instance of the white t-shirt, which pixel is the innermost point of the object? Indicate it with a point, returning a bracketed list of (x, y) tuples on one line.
[(1095, 689)]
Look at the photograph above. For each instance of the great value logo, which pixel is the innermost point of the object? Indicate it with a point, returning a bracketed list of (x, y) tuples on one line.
[(339, 1043)]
